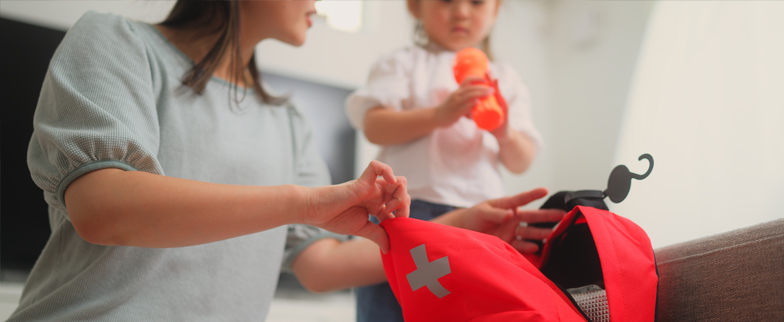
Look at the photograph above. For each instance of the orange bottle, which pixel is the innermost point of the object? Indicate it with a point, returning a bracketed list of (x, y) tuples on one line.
[(487, 114)]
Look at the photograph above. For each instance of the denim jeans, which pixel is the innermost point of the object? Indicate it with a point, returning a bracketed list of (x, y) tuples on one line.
[(377, 303)]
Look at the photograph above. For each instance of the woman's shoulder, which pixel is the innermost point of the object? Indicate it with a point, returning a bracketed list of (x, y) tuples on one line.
[(95, 33), (101, 24), (104, 40)]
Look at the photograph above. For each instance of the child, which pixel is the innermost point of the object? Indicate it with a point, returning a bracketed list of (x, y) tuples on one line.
[(415, 110)]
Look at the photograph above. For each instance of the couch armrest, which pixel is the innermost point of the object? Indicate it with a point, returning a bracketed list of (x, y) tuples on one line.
[(734, 276)]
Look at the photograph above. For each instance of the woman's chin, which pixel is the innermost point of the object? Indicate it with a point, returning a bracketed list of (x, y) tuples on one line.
[(293, 41)]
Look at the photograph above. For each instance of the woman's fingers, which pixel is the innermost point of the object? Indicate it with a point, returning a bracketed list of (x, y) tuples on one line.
[(540, 215), (395, 197), (384, 214), (381, 169), (524, 246), (375, 233), (519, 199), (496, 215), (532, 233), (378, 169)]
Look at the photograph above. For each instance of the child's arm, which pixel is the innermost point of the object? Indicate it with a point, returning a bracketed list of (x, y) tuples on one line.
[(516, 150), (328, 264), (385, 126), (135, 208)]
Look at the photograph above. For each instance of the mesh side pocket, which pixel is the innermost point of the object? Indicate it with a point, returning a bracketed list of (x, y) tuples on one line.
[(594, 304)]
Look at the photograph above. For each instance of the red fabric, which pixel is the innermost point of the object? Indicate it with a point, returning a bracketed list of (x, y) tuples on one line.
[(626, 255), (488, 279), (628, 265)]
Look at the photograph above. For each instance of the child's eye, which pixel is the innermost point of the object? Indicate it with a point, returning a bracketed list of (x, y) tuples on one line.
[(478, 2)]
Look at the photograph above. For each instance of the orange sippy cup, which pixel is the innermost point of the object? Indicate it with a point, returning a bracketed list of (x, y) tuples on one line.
[(487, 114)]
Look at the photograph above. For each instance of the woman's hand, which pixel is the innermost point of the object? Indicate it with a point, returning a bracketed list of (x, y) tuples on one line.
[(460, 102), (501, 217), (344, 208)]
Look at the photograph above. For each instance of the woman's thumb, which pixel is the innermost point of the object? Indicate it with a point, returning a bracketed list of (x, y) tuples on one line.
[(376, 234)]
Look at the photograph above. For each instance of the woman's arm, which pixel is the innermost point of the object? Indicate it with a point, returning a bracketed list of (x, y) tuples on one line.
[(385, 126), (328, 264), (134, 208)]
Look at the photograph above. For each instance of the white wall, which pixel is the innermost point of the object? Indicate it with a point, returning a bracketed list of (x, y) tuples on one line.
[(707, 103), (341, 58), (594, 49)]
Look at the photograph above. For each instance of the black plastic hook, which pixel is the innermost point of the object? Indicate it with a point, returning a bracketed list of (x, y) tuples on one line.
[(620, 181)]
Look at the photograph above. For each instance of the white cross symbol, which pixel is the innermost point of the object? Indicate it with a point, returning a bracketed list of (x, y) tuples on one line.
[(428, 273)]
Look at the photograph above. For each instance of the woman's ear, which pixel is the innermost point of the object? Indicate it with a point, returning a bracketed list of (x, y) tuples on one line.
[(413, 7)]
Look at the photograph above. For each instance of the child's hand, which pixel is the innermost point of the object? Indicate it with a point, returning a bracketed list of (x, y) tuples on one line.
[(502, 131), (344, 208), (460, 102)]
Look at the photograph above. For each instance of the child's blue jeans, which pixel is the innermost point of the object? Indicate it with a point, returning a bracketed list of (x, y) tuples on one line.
[(377, 303)]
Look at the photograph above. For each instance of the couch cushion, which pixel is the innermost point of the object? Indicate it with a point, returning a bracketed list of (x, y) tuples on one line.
[(734, 276)]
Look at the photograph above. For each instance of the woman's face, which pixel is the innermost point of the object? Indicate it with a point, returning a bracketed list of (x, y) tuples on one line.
[(285, 20), (455, 24)]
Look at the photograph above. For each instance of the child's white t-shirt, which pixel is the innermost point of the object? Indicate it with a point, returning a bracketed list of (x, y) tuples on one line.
[(456, 165)]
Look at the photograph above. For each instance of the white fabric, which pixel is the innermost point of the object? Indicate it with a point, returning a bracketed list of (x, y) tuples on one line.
[(458, 165)]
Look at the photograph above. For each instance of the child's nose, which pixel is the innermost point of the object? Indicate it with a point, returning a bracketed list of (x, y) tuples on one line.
[(461, 9)]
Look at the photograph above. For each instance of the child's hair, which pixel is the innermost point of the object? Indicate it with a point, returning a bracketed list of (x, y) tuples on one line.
[(420, 37), (221, 17)]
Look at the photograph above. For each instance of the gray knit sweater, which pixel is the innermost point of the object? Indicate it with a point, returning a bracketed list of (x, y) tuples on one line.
[(112, 98)]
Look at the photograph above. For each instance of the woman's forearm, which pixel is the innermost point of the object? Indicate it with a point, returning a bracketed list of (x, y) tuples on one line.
[(386, 126), (134, 208), (516, 152), (329, 265)]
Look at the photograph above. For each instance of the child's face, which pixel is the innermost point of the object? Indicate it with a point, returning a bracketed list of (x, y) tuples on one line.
[(455, 24), (287, 21)]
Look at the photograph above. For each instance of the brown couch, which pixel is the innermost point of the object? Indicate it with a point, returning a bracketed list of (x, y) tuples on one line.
[(734, 276)]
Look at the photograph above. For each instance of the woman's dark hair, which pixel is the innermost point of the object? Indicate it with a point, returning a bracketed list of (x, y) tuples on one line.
[(223, 18)]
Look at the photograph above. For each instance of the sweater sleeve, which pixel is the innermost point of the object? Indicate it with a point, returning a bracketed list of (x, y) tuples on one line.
[(97, 107)]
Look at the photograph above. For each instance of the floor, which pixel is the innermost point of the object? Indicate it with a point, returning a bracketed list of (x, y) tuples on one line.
[(291, 303)]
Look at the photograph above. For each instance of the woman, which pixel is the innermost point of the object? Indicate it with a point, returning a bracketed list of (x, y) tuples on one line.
[(171, 183)]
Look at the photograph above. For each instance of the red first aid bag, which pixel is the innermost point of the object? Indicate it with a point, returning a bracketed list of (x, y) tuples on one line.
[(442, 273), (595, 266)]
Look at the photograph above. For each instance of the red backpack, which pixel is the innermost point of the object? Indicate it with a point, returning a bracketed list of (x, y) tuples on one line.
[(595, 266)]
